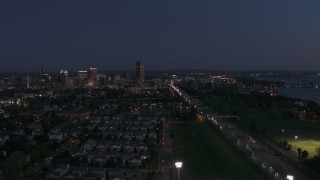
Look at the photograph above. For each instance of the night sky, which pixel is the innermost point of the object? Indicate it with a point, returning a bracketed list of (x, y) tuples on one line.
[(166, 34)]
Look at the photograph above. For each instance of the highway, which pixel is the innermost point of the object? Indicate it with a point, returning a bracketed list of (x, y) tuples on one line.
[(262, 153)]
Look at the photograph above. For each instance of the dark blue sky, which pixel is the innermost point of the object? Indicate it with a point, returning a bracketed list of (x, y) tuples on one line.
[(166, 34)]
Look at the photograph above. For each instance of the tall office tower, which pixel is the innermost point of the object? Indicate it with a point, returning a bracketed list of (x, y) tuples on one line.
[(82, 78), (82, 75), (63, 78), (101, 80), (140, 72), (64, 72), (44, 76), (42, 73), (92, 76), (27, 82), (93, 72)]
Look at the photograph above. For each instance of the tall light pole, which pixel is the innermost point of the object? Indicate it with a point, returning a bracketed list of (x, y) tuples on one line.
[(178, 166), (282, 138), (296, 137), (290, 177)]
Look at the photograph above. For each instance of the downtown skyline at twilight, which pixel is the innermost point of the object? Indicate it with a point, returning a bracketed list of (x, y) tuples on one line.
[(159, 90)]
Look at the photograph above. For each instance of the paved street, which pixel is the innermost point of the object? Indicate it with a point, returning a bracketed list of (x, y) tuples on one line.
[(263, 154), (165, 155)]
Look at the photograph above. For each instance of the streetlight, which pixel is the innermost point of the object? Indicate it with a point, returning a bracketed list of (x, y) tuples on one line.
[(282, 138), (296, 137), (290, 177), (178, 166)]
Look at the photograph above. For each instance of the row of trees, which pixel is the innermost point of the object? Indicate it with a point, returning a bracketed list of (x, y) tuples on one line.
[(302, 154)]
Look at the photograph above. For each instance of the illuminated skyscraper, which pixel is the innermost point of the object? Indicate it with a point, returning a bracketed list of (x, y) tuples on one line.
[(64, 72), (140, 72), (42, 73), (82, 78), (44, 76), (65, 81), (26, 82), (82, 75), (93, 72), (92, 81)]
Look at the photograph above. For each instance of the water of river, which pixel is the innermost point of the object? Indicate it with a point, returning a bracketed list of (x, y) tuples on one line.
[(301, 93)]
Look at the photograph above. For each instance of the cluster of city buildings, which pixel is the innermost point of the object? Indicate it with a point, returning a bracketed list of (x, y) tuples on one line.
[(90, 78)]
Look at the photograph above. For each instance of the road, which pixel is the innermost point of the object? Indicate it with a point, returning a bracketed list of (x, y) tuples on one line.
[(165, 154), (270, 159)]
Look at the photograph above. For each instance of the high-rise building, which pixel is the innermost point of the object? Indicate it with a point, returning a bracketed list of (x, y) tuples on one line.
[(93, 72), (140, 72), (92, 81), (64, 72), (27, 82), (65, 80), (82, 75), (82, 78), (44, 76), (42, 73), (101, 80)]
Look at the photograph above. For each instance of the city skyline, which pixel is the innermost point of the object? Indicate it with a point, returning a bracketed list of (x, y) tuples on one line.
[(221, 35), (166, 90)]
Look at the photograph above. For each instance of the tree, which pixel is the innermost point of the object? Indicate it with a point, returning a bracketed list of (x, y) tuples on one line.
[(15, 145), (288, 148), (111, 163), (84, 160), (253, 125), (43, 151), (35, 156), (304, 154), (299, 150), (264, 131), (41, 139), (318, 151), (284, 144), (119, 161), (15, 166), (75, 161)]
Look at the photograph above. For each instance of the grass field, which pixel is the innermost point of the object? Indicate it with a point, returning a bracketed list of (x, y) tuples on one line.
[(206, 155), (309, 145), (272, 120)]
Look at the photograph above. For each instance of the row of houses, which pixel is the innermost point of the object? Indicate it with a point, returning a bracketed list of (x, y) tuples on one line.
[(75, 172), (123, 142)]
